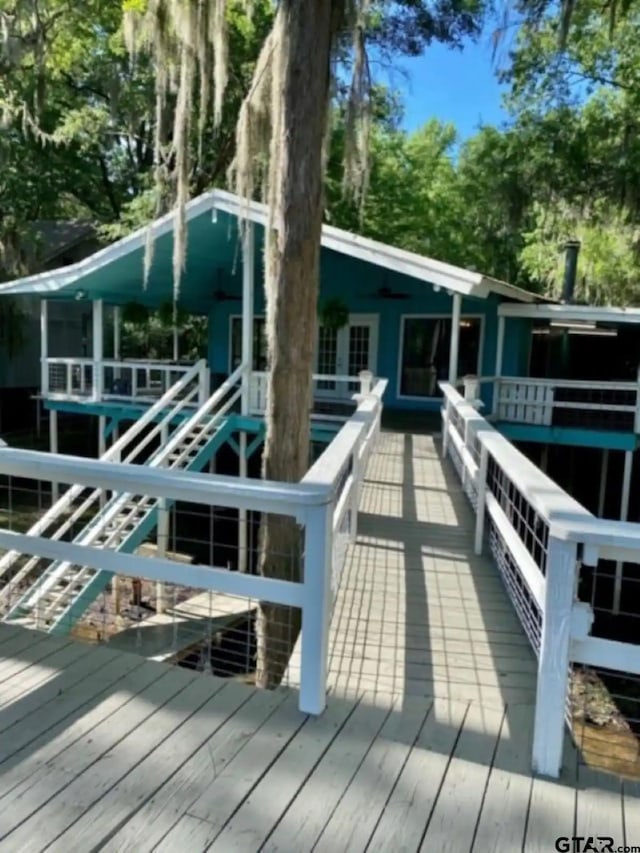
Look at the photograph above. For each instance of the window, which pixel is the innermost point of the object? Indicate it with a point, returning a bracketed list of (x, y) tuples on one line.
[(259, 343), (425, 353)]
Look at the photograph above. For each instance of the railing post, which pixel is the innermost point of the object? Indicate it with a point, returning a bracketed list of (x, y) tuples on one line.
[(445, 428), (366, 380), (553, 660), (472, 390), (357, 473), (636, 420), (481, 491), (316, 610)]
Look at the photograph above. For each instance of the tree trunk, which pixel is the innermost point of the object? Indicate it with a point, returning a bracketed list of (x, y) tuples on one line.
[(302, 72)]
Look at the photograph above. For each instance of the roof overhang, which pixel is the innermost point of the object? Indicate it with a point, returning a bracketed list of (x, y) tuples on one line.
[(558, 313), (452, 278)]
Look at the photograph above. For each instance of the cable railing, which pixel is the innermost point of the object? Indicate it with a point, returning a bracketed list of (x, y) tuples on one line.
[(557, 562), (323, 505)]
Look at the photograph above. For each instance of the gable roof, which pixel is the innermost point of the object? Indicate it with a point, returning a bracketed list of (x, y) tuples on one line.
[(55, 237), (448, 276)]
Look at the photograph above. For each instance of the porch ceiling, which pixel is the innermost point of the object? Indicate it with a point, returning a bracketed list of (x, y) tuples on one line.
[(211, 265)]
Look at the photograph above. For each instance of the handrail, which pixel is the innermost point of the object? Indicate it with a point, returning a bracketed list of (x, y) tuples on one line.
[(112, 454), (563, 383), (546, 496)]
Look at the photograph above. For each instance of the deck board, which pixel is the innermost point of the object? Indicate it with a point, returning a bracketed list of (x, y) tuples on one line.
[(425, 743)]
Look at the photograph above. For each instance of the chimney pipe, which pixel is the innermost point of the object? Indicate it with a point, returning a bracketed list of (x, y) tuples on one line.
[(571, 248)]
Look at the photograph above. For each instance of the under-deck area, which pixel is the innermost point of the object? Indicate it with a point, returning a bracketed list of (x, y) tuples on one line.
[(425, 743)]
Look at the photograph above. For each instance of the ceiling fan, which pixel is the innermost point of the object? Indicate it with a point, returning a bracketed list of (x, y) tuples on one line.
[(221, 295), (385, 292)]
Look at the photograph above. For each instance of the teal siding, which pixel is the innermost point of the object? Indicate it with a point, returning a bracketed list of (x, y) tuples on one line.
[(517, 347), (356, 282)]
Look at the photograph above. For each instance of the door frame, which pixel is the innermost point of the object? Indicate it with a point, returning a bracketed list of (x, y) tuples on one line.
[(342, 353)]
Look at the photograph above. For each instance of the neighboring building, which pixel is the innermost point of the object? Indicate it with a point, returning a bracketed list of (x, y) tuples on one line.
[(52, 245)]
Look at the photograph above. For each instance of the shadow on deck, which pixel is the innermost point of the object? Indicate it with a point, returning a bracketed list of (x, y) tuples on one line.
[(425, 743)]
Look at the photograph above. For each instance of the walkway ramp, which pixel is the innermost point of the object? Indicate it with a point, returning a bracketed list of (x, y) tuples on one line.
[(417, 612), (57, 592)]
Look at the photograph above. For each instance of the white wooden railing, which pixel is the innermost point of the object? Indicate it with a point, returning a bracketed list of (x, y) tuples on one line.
[(78, 379), (539, 537), (324, 503), (565, 402)]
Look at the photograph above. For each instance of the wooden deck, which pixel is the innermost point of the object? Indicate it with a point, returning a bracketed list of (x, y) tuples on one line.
[(425, 744)]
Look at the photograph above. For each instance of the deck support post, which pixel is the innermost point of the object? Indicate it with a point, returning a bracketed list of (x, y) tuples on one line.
[(544, 459), (98, 348), (163, 533), (624, 514), (44, 348), (553, 659), (604, 471), (454, 344), (102, 449), (243, 526), (316, 610), (53, 448), (248, 287)]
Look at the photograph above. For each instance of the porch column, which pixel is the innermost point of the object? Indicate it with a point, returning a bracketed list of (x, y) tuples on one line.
[(176, 347), (248, 266), (500, 346), (44, 347), (455, 338), (624, 514), (499, 359), (116, 332), (98, 351)]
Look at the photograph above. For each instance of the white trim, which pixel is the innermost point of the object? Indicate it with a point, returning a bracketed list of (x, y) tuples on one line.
[(558, 313), (481, 317), (425, 269)]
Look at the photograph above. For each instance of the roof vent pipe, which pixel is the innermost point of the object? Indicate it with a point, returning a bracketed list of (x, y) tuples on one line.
[(571, 249)]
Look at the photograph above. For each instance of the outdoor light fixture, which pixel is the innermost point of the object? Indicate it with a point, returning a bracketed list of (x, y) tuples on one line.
[(80, 294), (595, 332), (573, 324)]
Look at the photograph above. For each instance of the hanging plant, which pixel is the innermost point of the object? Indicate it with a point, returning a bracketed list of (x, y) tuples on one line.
[(167, 312), (135, 313), (334, 314)]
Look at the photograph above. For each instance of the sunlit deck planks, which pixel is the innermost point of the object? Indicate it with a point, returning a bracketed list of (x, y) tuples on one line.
[(425, 743)]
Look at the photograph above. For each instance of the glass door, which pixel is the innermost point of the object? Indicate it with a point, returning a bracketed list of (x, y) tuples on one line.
[(346, 352)]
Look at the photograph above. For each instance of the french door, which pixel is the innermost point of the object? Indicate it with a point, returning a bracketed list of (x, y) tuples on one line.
[(345, 352)]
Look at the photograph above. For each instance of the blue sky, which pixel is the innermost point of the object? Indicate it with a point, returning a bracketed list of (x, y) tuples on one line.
[(458, 86)]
